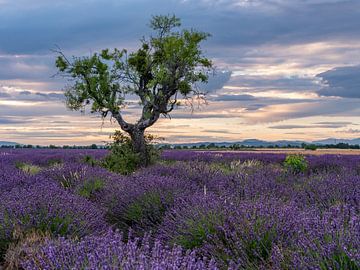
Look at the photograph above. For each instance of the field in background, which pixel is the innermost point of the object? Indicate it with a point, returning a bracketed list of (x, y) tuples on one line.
[(60, 209), (302, 151)]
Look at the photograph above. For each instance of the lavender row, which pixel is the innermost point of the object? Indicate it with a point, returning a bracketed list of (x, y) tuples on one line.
[(238, 210)]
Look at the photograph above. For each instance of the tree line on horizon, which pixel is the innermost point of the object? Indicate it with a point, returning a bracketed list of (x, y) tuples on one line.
[(209, 146)]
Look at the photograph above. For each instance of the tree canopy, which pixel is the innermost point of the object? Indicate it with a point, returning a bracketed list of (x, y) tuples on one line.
[(167, 66)]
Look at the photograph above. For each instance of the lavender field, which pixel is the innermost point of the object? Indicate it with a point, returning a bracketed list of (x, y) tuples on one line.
[(192, 210)]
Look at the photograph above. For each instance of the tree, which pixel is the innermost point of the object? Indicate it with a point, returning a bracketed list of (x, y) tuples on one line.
[(167, 66), (93, 146)]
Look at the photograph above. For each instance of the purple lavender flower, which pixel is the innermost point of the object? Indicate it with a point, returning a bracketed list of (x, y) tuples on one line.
[(47, 207), (111, 252)]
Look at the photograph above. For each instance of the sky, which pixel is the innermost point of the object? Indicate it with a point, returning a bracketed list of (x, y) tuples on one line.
[(285, 69)]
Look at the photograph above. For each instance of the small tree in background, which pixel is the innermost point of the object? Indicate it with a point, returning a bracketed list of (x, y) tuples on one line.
[(166, 66)]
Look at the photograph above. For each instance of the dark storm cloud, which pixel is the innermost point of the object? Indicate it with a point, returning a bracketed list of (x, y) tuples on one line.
[(286, 22), (341, 82), (42, 24), (37, 26)]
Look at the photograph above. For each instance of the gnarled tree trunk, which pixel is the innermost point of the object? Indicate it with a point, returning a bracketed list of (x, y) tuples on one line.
[(139, 144)]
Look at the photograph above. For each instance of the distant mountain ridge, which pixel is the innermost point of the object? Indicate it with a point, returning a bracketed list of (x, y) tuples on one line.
[(281, 143), (250, 142), (336, 141)]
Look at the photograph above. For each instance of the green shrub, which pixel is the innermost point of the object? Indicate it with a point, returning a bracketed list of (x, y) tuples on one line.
[(122, 157), (296, 163), (89, 187), (54, 162), (197, 231), (28, 168), (312, 147), (147, 211), (56, 225), (90, 160), (142, 213)]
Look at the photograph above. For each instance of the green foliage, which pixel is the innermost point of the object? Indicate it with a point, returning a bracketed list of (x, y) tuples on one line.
[(90, 160), (312, 147), (167, 63), (28, 168), (123, 157), (147, 211), (339, 261), (296, 163), (197, 231), (258, 248), (89, 187), (56, 225), (54, 162)]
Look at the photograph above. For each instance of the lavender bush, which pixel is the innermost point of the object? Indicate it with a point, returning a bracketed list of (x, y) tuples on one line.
[(240, 210), (111, 252), (46, 207)]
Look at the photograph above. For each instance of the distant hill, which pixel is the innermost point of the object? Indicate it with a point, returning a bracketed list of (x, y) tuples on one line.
[(336, 141), (8, 143), (247, 142), (280, 143), (250, 143)]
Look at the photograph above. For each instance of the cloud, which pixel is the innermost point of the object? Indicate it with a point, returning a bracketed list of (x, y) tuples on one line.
[(4, 95), (11, 120), (34, 67), (268, 54), (341, 82), (25, 92), (344, 123), (232, 23), (279, 82), (216, 81), (316, 125), (233, 98), (51, 95), (219, 131), (18, 94), (275, 113), (350, 131), (201, 115)]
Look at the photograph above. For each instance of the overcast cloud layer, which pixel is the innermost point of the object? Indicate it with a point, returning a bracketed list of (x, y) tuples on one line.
[(286, 69)]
